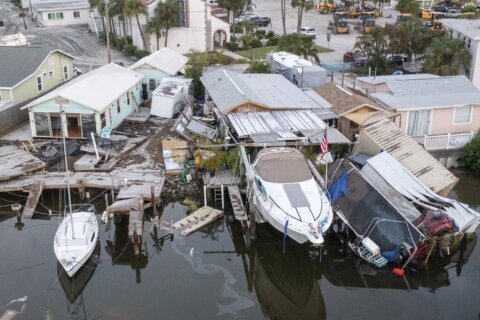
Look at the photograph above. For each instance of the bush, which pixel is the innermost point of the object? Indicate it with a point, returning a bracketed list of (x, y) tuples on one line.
[(232, 46), (129, 49), (256, 43), (247, 42), (270, 34), (260, 33), (471, 155), (469, 7), (220, 58), (273, 41), (236, 28), (233, 38), (258, 67), (141, 53)]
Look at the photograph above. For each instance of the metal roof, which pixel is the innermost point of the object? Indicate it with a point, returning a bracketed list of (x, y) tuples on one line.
[(95, 89), (468, 27), (429, 93), (230, 89), (382, 79), (21, 62), (390, 138), (61, 5), (279, 126), (165, 59)]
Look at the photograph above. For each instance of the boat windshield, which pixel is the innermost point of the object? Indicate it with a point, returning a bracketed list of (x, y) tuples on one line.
[(283, 167)]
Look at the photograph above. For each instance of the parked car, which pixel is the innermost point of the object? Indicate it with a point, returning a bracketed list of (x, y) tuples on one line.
[(308, 31), (454, 13), (245, 17), (263, 21), (396, 60), (355, 56), (440, 11)]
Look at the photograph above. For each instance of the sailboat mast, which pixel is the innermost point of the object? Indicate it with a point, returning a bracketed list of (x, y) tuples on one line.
[(63, 116)]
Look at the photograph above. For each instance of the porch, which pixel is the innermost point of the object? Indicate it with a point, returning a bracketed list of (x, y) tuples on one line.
[(445, 141)]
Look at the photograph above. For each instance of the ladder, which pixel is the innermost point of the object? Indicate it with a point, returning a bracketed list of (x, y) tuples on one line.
[(218, 194)]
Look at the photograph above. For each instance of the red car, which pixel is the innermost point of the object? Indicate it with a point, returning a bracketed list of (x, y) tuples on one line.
[(356, 57)]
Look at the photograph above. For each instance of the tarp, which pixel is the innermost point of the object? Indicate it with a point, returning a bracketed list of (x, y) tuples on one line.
[(339, 188)]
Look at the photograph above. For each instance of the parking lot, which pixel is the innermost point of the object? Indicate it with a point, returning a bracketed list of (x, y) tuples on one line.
[(340, 43)]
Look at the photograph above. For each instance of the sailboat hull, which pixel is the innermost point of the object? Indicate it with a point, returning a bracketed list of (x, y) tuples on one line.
[(74, 246)]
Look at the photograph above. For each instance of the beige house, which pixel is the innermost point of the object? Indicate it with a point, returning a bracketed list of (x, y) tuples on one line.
[(439, 112), (353, 110), (28, 72)]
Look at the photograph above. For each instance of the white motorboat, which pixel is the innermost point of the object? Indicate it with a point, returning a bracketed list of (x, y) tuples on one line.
[(75, 240), (287, 196)]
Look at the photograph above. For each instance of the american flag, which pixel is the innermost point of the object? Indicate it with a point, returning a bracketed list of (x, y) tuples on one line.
[(324, 145)]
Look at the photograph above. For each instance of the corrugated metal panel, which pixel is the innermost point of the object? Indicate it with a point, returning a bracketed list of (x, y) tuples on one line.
[(390, 138), (333, 136)]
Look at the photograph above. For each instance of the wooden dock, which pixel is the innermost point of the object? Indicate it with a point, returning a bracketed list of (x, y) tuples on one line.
[(237, 203), (128, 145), (197, 220), (89, 162), (36, 189), (15, 162)]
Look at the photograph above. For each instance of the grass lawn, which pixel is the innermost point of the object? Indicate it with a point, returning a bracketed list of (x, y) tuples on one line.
[(260, 53)]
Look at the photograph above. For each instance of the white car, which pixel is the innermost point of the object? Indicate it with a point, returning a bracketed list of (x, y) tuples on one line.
[(308, 31)]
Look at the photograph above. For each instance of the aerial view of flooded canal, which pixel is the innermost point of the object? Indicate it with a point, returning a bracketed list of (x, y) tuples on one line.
[(217, 273)]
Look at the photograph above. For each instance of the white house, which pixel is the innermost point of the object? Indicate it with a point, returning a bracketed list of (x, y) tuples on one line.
[(162, 63), (61, 13), (98, 99), (469, 32), (204, 26)]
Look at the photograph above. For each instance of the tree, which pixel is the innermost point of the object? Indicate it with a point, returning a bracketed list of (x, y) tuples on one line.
[(302, 6), (471, 154), (283, 5), (257, 66), (155, 26), (168, 12), (196, 63), (408, 6), (136, 8), (446, 56), (293, 42), (376, 46), (308, 50), (235, 6)]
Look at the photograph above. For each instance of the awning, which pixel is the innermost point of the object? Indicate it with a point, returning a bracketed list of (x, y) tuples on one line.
[(360, 117)]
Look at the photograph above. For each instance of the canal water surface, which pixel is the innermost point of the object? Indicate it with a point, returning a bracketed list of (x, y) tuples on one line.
[(217, 274)]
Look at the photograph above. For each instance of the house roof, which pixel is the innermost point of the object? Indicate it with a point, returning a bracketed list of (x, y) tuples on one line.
[(62, 5), (273, 91), (344, 100), (468, 27), (165, 59), (21, 62), (390, 138), (383, 79), (95, 89), (429, 93)]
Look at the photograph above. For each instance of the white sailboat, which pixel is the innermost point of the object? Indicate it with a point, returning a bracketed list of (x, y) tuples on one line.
[(287, 196), (77, 234)]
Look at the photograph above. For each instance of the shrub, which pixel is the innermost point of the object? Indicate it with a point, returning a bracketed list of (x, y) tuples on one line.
[(236, 28), (233, 38), (273, 41), (232, 46), (247, 42), (471, 154), (270, 34), (260, 33), (129, 49), (256, 43), (258, 67), (220, 58), (141, 53)]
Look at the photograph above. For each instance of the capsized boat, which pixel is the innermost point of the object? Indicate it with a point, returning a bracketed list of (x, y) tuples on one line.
[(76, 238), (288, 197)]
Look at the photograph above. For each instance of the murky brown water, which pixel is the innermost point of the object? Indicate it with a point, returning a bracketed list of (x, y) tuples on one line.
[(217, 274)]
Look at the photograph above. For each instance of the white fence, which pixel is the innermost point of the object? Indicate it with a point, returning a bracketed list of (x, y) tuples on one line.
[(447, 141)]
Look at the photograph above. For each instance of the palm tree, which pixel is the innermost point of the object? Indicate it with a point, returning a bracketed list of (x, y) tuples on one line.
[(301, 5), (155, 26), (135, 8), (100, 5), (308, 50), (446, 56), (168, 12), (283, 4)]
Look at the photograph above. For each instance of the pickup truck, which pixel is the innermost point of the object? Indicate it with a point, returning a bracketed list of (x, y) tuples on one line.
[(454, 13)]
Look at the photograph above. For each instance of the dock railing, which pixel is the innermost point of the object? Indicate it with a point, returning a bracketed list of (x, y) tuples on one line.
[(447, 141)]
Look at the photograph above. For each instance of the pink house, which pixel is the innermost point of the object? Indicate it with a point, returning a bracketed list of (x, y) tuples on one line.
[(439, 112)]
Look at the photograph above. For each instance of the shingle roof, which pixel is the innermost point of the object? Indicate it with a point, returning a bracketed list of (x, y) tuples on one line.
[(273, 91), (95, 89), (165, 60), (428, 93), (18, 63), (344, 100)]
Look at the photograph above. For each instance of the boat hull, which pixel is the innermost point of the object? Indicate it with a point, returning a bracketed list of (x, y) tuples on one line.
[(72, 252)]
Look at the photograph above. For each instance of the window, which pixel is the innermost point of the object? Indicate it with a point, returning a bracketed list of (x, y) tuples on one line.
[(463, 115), (128, 98), (65, 72), (418, 122), (118, 106), (40, 83), (55, 16), (41, 124), (152, 84), (76, 14), (51, 74), (103, 120)]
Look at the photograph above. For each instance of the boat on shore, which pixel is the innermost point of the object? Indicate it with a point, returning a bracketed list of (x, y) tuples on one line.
[(288, 197)]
